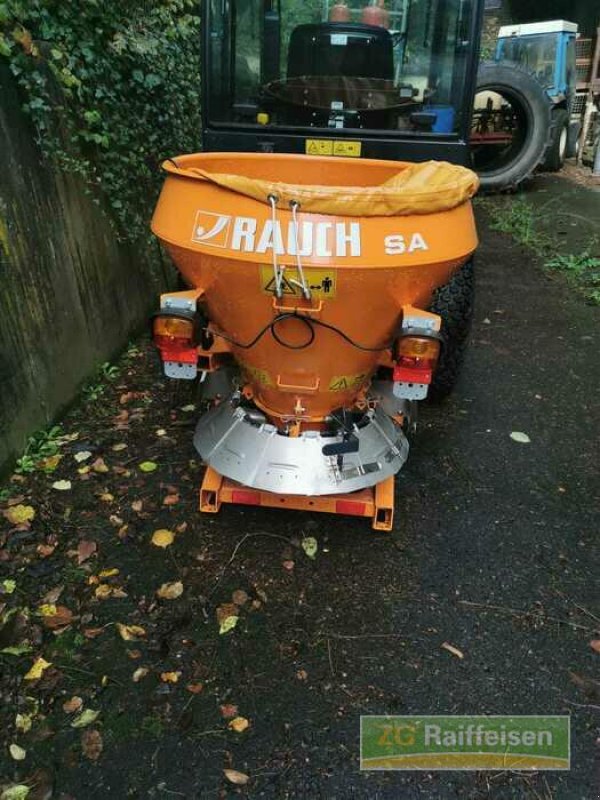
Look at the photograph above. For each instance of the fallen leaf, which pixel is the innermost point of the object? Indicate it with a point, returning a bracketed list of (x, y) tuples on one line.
[(99, 466), (226, 610), (85, 549), (137, 505), (91, 744), (288, 564), (50, 463), (45, 550), (72, 705), (170, 591), (83, 455), (62, 616), (47, 609), (195, 688), (595, 645), (104, 591), (228, 624), (17, 650), (189, 407), (170, 677), (240, 597), (302, 675), (310, 546), (228, 710), (23, 722), (18, 791), (91, 633), (61, 486), (454, 650), (139, 673), (108, 573), (39, 666), (148, 466), (519, 436), (236, 777), (53, 594), (131, 633), (85, 718), (161, 432), (16, 752), (119, 446), (9, 585), (19, 514), (107, 497), (171, 500), (163, 538), (239, 724), (83, 470)]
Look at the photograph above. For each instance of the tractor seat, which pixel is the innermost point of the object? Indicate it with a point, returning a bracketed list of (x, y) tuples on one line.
[(340, 49)]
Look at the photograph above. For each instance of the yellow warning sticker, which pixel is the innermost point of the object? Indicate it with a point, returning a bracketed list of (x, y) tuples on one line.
[(329, 147), (343, 383), (321, 282), (347, 149)]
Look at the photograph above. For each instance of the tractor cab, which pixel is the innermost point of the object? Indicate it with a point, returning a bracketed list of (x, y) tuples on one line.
[(391, 79), (547, 49)]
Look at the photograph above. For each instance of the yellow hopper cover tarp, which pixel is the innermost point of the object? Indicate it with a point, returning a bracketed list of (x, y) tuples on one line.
[(423, 188)]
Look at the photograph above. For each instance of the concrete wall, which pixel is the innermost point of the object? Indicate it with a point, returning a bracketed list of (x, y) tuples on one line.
[(70, 295)]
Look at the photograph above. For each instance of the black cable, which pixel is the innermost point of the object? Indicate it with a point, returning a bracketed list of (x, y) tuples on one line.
[(309, 322)]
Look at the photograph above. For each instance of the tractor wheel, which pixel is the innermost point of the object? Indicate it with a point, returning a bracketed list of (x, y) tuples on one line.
[(525, 108), (557, 152), (454, 304)]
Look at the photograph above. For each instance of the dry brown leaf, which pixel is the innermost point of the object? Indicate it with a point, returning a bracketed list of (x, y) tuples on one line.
[(226, 610), (91, 744), (288, 564), (73, 705), (236, 777), (451, 649), (170, 591), (85, 549), (302, 675), (91, 633), (595, 645), (137, 505), (240, 597), (52, 596), (60, 619), (195, 688), (171, 500), (131, 633), (228, 710), (99, 465), (45, 550)]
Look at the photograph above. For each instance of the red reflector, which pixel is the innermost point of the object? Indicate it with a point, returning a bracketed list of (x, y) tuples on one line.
[(412, 374), (172, 351), (245, 498), (350, 507)]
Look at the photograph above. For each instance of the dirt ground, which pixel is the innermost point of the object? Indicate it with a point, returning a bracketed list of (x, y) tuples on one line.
[(494, 550)]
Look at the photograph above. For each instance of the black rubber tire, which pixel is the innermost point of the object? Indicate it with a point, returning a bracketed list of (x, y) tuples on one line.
[(559, 137), (454, 303), (527, 95)]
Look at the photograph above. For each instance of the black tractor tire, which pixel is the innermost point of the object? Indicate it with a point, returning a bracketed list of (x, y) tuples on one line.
[(533, 109), (454, 303), (559, 139)]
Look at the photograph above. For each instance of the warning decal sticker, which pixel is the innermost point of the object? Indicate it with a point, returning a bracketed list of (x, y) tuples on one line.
[(321, 282), (342, 383)]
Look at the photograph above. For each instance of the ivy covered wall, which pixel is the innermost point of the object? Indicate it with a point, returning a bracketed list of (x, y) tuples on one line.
[(92, 97)]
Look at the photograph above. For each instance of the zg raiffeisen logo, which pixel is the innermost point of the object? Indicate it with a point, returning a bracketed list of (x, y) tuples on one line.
[(465, 743), (211, 229)]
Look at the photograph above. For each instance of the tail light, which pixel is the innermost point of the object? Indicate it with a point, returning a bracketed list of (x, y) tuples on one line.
[(175, 334), (416, 354)]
